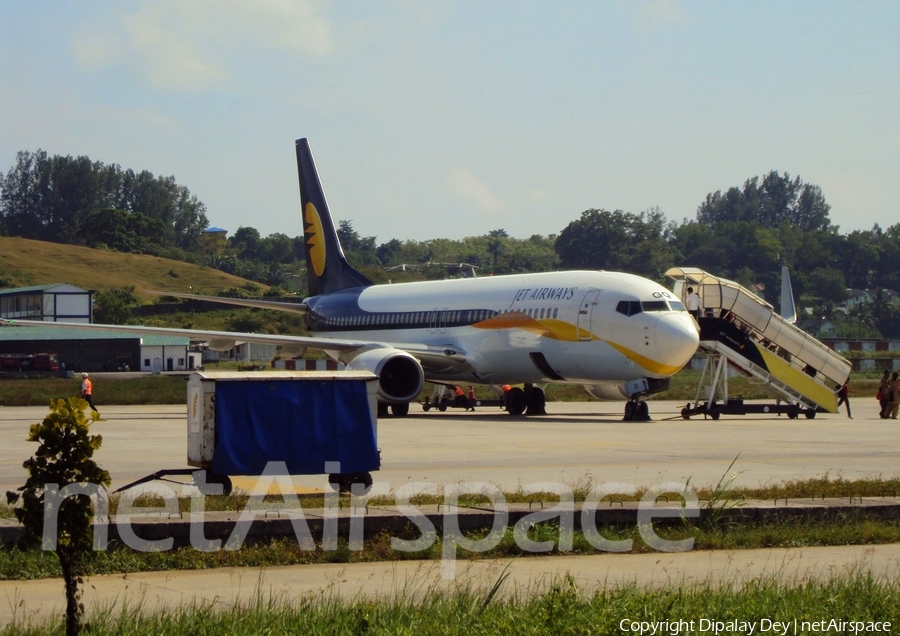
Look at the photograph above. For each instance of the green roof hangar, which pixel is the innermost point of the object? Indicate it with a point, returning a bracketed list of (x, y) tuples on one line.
[(95, 350)]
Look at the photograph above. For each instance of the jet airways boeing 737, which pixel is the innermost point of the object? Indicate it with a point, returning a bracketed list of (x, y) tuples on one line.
[(619, 335)]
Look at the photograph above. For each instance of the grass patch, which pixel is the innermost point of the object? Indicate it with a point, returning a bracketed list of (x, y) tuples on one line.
[(172, 390), (23, 564), (150, 389), (732, 533), (559, 607)]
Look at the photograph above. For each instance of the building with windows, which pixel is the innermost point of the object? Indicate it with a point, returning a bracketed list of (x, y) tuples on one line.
[(214, 240), (59, 302)]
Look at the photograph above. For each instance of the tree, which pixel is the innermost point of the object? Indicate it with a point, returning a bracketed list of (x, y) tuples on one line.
[(113, 306), (861, 317), (776, 199), (64, 458), (49, 198), (597, 240)]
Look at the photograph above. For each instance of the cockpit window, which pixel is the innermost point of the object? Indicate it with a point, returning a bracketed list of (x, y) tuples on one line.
[(628, 307), (677, 305), (655, 305)]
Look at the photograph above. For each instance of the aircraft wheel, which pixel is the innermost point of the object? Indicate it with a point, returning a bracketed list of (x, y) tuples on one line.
[(383, 410), (810, 414), (515, 401), (629, 411), (643, 411), (400, 410), (537, 401)]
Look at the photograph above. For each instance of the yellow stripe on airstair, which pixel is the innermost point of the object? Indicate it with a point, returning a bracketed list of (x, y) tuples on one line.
[(782, 370)]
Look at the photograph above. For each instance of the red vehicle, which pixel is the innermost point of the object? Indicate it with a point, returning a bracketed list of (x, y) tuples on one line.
[(29, 363)]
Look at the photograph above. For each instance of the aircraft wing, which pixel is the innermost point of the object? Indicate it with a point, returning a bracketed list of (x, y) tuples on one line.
[(437, 359), (278, 305)]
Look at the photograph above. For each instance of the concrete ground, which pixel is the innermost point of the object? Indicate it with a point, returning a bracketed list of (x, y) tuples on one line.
[(576, 443)]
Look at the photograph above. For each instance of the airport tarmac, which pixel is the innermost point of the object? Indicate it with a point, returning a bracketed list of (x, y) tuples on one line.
[(575, 444)]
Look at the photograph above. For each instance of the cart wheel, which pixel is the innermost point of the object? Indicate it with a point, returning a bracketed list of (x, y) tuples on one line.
[(715, 415), (810, 414), (218, 480), (686, 413), (343, 483)]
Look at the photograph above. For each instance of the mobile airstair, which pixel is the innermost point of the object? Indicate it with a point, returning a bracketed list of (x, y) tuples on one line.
[(741, 331)]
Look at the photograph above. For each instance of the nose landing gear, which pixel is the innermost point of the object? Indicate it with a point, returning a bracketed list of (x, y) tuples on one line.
[(636, 410)]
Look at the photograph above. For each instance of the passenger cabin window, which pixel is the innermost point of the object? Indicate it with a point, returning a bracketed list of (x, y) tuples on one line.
[(629, 307)]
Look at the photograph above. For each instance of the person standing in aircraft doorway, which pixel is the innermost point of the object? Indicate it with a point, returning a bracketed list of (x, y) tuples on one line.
[(694, 305)]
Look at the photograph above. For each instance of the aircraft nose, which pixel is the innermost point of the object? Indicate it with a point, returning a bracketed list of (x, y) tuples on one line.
[(676, 339)]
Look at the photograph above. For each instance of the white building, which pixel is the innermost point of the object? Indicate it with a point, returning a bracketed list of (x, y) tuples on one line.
[(59, 302)]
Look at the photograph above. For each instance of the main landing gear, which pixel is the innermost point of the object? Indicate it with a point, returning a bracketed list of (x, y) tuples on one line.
[(636, 410), (395, 410), (527, 400)]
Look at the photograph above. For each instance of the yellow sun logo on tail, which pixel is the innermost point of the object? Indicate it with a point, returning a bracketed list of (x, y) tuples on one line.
[(314, 239)]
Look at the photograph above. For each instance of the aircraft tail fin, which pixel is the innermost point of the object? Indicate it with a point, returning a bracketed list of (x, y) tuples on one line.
[(327, 267), (788, 308)]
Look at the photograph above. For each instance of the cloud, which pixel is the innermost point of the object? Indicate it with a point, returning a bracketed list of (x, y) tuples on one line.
[(542, 196), (192, 45), (663, 12), (465, 184)]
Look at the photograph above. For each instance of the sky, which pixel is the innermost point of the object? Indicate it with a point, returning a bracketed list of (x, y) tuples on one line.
[(446, 119)]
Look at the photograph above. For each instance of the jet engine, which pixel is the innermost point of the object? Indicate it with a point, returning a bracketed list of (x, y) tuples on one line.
[(628, 390), (400, 376), (611, 392)]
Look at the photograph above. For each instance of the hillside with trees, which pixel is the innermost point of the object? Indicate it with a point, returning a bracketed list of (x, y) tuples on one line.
[(743, 233)]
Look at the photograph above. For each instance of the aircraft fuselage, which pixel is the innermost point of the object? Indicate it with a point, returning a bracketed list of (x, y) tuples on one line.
[(550, 327)]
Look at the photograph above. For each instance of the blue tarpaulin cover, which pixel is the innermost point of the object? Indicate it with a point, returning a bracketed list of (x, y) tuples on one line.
[(302, 423)]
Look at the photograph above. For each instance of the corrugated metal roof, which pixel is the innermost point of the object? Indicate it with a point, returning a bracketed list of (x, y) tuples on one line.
[(16, 291), (56, 333)]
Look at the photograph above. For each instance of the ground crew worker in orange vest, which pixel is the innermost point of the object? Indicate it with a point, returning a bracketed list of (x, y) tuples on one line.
[(461, 399), (87, 389), (504, 391)]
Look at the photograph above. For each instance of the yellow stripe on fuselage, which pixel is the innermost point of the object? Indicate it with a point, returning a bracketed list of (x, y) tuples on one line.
[(567, 332)]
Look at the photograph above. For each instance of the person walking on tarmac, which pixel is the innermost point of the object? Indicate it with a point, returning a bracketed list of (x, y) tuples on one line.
[(893, 407), (87, 390), (883, 391), (844, 395)]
